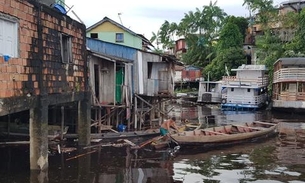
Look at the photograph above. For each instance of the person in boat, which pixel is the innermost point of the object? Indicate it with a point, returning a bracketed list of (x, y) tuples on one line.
[(166, 125)]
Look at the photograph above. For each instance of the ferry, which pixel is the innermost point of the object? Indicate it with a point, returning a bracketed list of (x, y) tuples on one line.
[(288, 86), (247, 90)]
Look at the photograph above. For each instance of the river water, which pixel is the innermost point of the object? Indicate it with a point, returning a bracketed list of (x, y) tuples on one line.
[(280, 159)]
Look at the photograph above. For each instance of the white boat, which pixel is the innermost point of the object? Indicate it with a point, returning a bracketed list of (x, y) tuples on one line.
[(209, 92), (288, 87), (247, 90)]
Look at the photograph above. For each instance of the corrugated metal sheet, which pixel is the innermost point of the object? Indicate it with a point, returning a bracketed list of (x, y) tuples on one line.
[(111, 49)]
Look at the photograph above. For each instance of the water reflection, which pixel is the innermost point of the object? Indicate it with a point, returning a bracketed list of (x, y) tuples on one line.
[(280, 159), (250, 163)]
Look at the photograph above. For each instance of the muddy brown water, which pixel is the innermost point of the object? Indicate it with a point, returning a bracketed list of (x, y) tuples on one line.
[(280, 159)]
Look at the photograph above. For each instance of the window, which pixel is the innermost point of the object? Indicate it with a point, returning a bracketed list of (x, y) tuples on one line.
[(119, 37), (232, 89), (249, 90), (8, 36), (94, 35), (66, 48)]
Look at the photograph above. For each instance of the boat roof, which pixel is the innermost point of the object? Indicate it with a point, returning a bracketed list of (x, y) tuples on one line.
[(291, 61), (250, 67)]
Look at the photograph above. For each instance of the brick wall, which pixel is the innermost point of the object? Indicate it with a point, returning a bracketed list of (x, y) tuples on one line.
[(39, 68)]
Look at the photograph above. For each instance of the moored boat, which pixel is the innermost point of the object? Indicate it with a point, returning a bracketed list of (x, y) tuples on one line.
[(209, 92), (225, 135), (288, 86), (247, 91)]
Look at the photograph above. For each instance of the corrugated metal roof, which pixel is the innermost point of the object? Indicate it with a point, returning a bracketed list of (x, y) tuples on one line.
[(292, 61), (110, 58)]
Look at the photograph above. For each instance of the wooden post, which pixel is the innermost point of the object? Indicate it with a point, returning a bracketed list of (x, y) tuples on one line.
[(62, 122), (152, 112), (141, 115), (159, 113), (95, 117), (117, 118), (136, 113), (99, 119)]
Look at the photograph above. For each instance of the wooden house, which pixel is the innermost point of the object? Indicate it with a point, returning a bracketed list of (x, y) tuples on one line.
[(110, 31), (124, 79), (43, 65)]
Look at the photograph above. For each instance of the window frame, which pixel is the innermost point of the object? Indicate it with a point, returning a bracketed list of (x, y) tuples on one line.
[(95, 34), (66, 48), (118, 39), (13, 33)]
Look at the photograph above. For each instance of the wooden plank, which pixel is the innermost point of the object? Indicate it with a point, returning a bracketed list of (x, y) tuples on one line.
[(147, 142), (15, 143), (219, 133), (129, 142), (254, 128)]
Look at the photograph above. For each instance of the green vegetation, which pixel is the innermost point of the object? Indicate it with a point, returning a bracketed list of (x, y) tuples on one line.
[(215, 40)]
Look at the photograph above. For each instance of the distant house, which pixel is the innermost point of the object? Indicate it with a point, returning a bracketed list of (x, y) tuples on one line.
[(180, 47), (110, 31), (286, 34), (191, 73), (178, 73)]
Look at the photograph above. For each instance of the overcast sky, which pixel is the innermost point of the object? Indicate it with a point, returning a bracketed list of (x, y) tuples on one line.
[(145, 17)]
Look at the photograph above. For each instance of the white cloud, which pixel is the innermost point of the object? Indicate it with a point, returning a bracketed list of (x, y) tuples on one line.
[(144, 17)]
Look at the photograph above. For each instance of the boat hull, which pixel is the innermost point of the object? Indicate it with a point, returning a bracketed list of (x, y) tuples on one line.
[(221, 139)]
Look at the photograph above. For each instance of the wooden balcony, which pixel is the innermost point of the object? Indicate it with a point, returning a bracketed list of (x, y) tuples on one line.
[(290, 96), (289, 75)]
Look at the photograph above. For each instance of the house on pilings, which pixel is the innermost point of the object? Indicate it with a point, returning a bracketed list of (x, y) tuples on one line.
[(44, 76), (129, 84)]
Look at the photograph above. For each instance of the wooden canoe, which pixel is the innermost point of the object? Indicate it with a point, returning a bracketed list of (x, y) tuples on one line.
[(225, 135), (163, 143)]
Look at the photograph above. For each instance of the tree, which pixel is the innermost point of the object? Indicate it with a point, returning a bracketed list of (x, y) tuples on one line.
[(227, 59), (229, 52), (263, 8), (230, 36), (297, 45), (200, 29), (241, 22)]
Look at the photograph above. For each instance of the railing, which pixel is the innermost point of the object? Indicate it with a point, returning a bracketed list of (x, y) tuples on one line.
[(241, 99), (289, 74), (234, 81), (290, 96)]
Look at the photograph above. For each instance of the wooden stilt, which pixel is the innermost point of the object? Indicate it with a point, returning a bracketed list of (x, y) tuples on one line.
[(99, 120), (136, 113), (62, 122)]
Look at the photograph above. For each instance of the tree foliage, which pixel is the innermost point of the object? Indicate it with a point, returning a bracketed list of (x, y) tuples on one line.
[(229, 58), (214, 40), (200, 28), (297, 45), (241, 22), (230, 36)]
